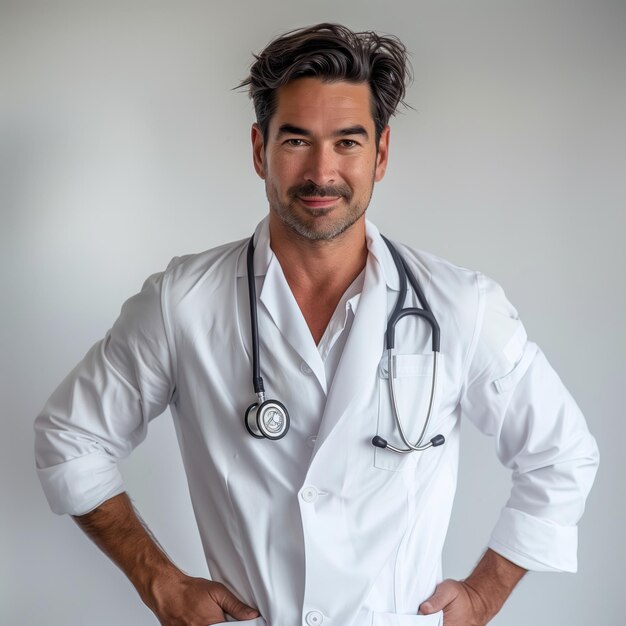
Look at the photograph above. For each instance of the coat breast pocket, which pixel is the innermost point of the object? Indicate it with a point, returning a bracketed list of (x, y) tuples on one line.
[(412, 389)]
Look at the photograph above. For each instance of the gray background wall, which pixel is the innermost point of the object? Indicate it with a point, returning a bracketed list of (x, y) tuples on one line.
[(123, 145)]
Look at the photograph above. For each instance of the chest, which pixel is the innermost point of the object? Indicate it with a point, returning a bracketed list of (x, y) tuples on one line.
[(317, 309)]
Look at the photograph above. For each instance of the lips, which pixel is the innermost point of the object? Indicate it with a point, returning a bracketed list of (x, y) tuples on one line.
[(317, 202)]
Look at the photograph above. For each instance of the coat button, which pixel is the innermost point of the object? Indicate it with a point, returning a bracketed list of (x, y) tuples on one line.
[(305, 368), (309, 494), (314, 618)]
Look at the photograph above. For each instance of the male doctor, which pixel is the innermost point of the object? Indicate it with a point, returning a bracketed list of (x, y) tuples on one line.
[(319, 526)]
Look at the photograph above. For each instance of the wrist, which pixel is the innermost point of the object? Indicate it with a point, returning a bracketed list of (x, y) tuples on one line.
[(156, 581), (491, 583)]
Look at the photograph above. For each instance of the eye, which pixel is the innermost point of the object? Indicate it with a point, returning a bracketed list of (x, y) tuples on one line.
[(294, 142), (348, 143)]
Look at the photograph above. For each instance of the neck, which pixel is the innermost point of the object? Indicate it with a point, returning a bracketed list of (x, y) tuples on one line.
[(322, 266), (318, 272)]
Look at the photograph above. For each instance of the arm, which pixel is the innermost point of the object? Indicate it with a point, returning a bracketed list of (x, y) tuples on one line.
[(477, 599), (512, 394), (96, 417), (171, 595)]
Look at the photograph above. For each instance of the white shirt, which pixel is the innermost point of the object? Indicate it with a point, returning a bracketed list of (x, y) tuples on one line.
[(342, 532), (336, 334)]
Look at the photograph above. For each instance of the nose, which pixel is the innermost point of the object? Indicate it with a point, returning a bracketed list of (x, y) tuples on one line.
[(321, 165)]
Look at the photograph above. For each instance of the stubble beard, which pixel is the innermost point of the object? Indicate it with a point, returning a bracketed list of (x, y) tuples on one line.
[(309, 228)]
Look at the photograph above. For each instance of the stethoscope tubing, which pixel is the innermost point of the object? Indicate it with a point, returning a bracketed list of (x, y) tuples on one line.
[(398, 312), (257, 380), (404, 273), (417, 446)]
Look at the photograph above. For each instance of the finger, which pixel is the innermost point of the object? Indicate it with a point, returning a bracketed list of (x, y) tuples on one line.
[(445, 593), (234, 607)]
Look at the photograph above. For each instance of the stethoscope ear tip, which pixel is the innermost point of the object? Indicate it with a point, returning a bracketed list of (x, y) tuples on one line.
[(437, 440), (379, 442)]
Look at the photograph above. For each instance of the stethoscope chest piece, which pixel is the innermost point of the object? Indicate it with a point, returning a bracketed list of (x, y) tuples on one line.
[(267, 420)]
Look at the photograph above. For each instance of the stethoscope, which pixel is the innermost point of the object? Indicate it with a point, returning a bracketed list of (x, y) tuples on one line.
[(269, 419)]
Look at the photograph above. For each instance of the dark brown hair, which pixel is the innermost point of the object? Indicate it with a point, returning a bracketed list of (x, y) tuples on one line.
[(331, 52)]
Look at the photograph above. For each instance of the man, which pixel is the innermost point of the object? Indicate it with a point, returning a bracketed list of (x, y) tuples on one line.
[(319, 526)]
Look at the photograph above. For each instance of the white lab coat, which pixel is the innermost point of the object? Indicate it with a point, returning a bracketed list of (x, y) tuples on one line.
[(320, 526)]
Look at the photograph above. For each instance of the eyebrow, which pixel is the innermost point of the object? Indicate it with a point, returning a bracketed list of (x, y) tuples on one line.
[(290, 129), (352, 130)]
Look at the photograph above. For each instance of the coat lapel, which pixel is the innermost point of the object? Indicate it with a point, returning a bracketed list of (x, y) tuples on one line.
[(362, 352), (278, 303), (284, 311)]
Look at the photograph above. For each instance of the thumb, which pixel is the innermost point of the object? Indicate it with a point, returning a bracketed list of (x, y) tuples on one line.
[(236, 608), (444, 594)]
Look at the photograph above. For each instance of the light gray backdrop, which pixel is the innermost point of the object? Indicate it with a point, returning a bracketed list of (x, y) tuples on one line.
[(123, 145)]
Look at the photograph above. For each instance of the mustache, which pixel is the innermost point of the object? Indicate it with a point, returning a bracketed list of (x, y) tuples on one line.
[(310, 189)]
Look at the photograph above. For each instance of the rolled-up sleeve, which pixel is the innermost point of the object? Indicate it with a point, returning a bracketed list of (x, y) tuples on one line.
[(513, 394), (101, 411)]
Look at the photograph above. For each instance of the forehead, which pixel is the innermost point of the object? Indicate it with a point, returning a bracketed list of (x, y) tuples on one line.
[(313, 104)]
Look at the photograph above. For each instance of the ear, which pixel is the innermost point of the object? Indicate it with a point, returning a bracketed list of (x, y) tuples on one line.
[(383, 154), (258, 150)]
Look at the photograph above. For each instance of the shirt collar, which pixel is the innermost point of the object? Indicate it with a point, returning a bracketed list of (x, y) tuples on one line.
[(263, 253), (379, 250)]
